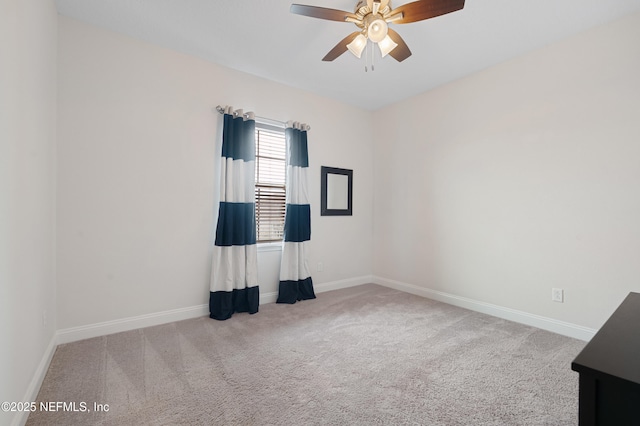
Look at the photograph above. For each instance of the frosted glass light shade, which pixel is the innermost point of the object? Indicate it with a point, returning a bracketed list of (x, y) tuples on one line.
[(377, 30), (386, 46), (357, 45)]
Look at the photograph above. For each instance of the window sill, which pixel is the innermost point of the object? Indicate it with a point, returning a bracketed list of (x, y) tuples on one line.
[(275, 246)]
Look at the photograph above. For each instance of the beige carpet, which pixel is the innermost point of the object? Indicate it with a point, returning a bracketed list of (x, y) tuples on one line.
[(367, 355)]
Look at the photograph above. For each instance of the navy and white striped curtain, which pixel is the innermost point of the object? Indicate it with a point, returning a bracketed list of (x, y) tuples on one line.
[(234, 275), (295, 277)]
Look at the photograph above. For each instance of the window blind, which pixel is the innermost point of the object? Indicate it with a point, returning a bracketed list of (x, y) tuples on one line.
[(270, 182)]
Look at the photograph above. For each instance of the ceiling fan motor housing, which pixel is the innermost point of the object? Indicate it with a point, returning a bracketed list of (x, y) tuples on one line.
[(362, 8)]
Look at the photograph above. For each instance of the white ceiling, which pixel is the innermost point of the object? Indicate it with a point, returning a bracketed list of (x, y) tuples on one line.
[(261, 37)]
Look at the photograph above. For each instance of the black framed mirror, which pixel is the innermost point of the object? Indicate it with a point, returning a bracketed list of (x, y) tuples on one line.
[(336, 189)]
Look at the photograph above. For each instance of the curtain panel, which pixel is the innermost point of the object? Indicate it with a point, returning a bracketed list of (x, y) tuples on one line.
[(234, 277), (295, 277)]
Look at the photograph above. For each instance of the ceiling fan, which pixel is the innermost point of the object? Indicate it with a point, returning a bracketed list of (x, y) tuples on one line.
[(372, 18)]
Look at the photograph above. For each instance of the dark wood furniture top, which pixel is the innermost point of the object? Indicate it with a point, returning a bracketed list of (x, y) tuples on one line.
[(615, 349), (609, 368)]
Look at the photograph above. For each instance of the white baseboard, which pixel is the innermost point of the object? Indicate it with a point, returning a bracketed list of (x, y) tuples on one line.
[(270, 297), (74, 334), (549, 324), (36, 381), (337, 285), (125, 324), (322, 287)]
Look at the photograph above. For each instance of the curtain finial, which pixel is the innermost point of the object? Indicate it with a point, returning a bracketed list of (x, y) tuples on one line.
[(228, 109), (298, 125)]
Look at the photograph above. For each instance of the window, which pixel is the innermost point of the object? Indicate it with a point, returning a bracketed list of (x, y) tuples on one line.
[(270, 182)]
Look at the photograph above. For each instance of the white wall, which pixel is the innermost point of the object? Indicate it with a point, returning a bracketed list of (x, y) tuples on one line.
[(518, 179), (136, 167), (27, 194)]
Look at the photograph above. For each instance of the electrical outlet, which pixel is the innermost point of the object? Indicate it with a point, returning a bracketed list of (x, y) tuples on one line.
[(320, 267), (557, 295)]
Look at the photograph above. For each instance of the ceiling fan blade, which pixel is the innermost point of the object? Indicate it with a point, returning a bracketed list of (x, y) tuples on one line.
[(341, 47), (425, 9), (401, 51), (320, 12)]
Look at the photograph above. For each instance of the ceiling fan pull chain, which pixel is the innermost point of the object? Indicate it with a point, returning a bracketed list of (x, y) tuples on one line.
[(366, 57), (373, 58)]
